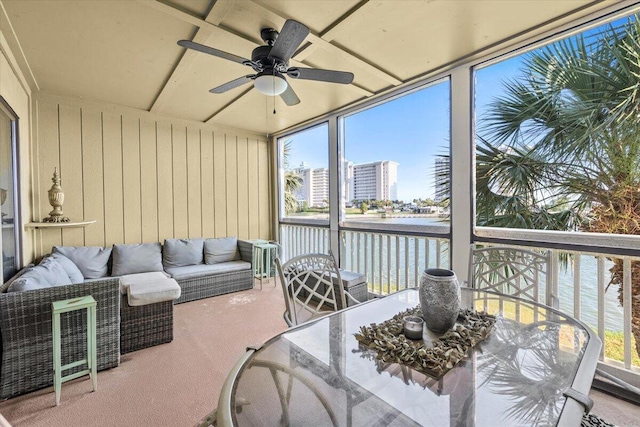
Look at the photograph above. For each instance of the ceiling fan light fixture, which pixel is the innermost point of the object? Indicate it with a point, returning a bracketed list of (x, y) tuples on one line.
[(270, 84)]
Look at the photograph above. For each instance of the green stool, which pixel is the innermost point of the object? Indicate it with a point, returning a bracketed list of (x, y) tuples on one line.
[(65, 306), (262, 259)]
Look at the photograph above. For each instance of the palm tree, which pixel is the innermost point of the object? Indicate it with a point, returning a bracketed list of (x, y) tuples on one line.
[(292, 181), (560, 149)]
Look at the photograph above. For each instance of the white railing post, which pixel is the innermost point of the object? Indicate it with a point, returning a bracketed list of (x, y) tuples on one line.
[(627, 297), (462, 171), (576, 285), (601, 290)]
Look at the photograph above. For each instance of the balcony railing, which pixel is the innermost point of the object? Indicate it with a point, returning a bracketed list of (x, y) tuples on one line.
[(394, 260), (391, 262), (303, 239)]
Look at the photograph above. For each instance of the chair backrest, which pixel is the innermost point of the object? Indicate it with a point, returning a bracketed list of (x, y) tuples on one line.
[(308, 286), (513, 271)]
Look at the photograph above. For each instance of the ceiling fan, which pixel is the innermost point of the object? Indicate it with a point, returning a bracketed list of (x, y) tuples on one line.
[(271, 63)]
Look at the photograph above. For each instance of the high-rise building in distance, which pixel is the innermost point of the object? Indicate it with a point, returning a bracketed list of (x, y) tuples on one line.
[(373, 181), (442, 178), (314, 190), (364, 181)]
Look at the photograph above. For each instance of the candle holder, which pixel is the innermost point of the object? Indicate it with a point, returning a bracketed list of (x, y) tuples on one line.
[(413, 327), (56, 198)]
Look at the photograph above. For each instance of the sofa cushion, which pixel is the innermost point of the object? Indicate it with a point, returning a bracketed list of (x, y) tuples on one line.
[(221, 250), (194, 271), (93, 261), (74, 273), (56, 276), (5, 286), (47, 274), (181, 252), (133, 279), (351, 278), (153, 292), (136, 258)]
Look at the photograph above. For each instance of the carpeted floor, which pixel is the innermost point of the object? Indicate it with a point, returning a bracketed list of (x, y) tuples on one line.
[(174, 384), (177, 384)]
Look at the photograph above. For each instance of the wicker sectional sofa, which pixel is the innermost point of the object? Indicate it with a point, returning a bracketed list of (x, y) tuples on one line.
[(25, 316), (217, 282)]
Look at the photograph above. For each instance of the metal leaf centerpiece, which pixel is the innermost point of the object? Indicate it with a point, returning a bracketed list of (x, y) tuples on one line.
[(435, 360)]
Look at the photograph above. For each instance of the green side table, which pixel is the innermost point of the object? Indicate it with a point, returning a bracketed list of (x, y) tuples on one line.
[(65, 306), (262, 257)]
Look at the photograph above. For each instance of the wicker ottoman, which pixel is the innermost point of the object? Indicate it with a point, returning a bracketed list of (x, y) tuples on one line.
[(355, 284), (352, 282), (146, 311)]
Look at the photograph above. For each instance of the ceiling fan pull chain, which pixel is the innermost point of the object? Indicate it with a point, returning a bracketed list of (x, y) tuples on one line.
[(274, 98), (266, 116)]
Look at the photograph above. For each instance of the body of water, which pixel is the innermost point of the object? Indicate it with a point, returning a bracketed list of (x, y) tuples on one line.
[(400, 219)]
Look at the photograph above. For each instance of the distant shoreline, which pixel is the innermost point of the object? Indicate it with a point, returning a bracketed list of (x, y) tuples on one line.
[(393, 215)]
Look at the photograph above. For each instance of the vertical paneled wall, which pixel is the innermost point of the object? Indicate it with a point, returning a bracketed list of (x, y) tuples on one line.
[(144, 177)]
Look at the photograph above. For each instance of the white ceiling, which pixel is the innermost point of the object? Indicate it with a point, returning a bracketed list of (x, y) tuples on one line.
[(124, 51)]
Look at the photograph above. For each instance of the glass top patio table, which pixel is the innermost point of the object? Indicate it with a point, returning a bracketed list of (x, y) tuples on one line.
[(317, 373)]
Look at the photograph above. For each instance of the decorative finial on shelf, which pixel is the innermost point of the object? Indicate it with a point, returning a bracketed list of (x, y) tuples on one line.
[(56, 198)]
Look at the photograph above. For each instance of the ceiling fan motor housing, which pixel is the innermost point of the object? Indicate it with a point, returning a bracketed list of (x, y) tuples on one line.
[(269, 35), (260, 56)]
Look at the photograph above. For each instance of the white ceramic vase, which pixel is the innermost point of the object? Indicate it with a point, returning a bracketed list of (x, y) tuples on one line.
[(439, 299)]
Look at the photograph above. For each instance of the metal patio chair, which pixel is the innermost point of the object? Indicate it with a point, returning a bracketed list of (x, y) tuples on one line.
[(312, 286), (513, 271)]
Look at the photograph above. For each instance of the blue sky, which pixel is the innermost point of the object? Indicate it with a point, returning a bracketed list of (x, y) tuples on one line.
[(411, 130)]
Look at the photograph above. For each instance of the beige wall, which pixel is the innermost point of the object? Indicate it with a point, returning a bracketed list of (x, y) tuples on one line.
[(15, 90), (145, 177)]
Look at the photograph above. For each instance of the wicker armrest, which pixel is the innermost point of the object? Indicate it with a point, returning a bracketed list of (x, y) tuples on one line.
[(246, 251), (25, 327)]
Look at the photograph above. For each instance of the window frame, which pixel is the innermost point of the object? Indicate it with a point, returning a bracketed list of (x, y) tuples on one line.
[(619, 244), (15, 184), (279, 140), (418, 230)]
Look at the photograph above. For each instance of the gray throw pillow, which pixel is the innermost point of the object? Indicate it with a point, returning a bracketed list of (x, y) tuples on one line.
[(54, 272), (93, 261), (33, 278), (221, 250), (5, 286), (75, 275), (182, 252), (136, 258)]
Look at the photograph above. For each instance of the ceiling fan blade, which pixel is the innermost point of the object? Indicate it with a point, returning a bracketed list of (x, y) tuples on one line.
[(215, 52), (232, 84), (289, 96), (292, 34), (330, 76)]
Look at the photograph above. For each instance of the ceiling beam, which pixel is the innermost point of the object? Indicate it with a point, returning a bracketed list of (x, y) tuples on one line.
[(210, 120), (329, 33), (334, 50), (215, 15)]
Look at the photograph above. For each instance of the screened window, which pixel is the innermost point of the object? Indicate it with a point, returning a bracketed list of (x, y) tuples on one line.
[(557, 135), (395, 168), (304, 181)]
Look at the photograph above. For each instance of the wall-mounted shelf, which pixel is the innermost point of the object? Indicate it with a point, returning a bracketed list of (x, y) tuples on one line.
[(58, 224)]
